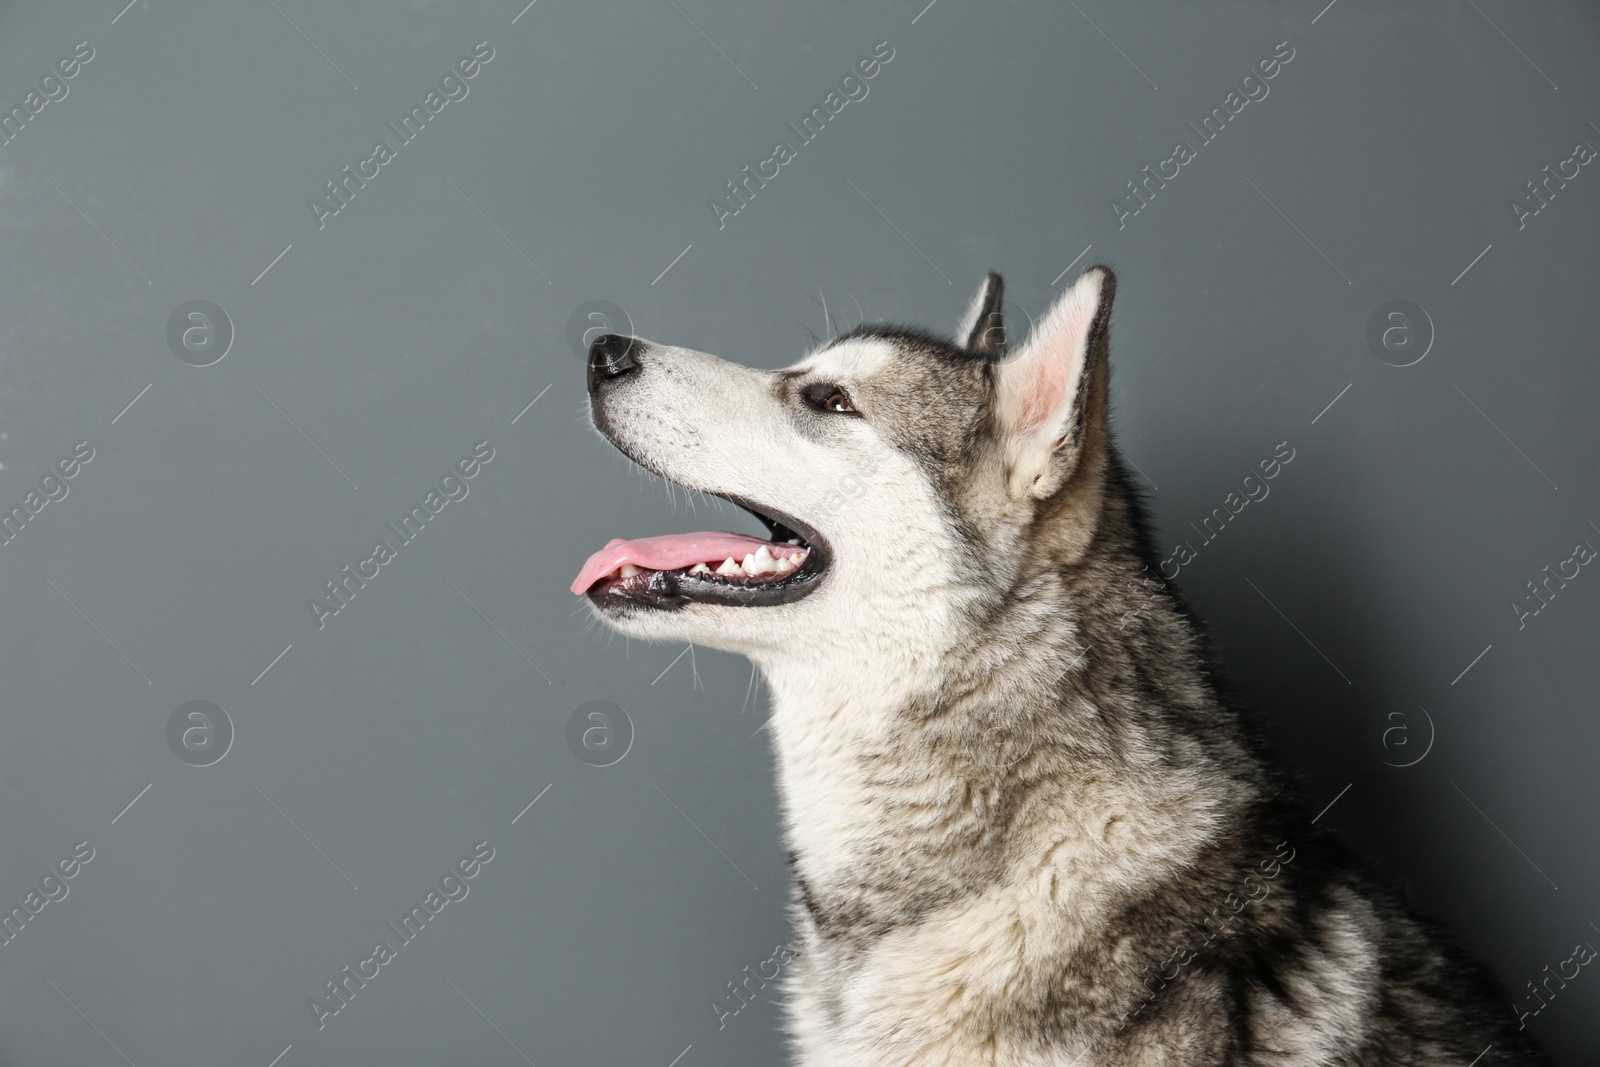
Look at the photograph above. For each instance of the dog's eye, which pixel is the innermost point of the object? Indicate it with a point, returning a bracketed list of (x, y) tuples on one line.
[(832, 398)]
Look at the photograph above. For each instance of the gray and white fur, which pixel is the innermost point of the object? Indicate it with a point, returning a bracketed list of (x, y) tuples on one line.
[(1026, 825)]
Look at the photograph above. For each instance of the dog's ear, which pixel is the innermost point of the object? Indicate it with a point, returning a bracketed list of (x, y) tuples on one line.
[(982, 330), (1050, 395)]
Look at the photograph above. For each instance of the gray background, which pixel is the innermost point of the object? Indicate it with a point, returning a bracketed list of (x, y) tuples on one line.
[(375, 352)]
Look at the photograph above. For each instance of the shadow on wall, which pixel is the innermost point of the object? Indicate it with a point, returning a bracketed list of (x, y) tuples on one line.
[(1389, 758)]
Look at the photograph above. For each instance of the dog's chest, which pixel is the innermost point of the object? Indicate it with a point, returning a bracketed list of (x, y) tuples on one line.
[(938, 904), (949, 990)]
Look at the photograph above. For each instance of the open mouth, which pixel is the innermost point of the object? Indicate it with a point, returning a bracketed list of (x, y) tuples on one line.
[(730, 569)]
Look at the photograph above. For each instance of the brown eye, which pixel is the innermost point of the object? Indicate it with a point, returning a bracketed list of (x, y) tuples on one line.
[(825, 396)]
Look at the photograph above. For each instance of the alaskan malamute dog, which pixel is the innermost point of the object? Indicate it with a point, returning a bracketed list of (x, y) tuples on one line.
[(1025, 826)]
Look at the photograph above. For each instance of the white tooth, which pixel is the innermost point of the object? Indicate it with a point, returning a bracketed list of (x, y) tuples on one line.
[(729, 567), (629, 570), (763, 554), (786, 565), (749, 566), (794, 540), (699, 568)]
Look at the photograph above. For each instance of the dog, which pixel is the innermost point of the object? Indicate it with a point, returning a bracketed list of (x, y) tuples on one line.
[(1026, 826)]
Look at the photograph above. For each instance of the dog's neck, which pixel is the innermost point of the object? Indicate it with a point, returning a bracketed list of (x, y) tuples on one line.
[(853, 718), (834, 710), (845, 714)]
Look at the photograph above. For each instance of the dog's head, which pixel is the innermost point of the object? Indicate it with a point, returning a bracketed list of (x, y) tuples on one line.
[(905, 480)]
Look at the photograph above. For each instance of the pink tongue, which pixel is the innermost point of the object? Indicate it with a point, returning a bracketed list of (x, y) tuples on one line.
[(670, 552)]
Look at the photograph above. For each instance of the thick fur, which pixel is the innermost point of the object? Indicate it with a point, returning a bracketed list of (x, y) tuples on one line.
[(1025, 826)]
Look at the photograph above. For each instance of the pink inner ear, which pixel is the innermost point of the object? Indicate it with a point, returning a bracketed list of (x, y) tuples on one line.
[(1055, 364), (1045, 393)]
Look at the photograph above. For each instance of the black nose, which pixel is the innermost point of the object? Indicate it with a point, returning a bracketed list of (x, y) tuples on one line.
[(612, 356)]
